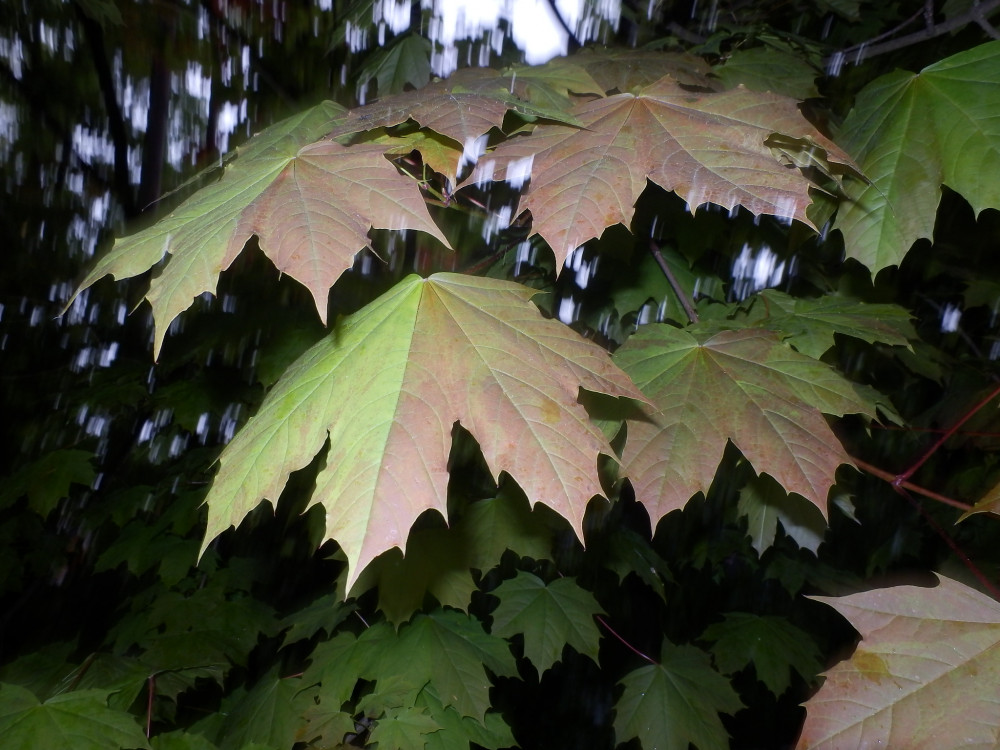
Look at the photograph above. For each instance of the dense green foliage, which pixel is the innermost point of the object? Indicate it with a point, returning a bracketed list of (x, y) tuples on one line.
[(632, 528)]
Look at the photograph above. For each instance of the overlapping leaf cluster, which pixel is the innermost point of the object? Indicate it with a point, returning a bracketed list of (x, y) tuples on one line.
[(377, 411)]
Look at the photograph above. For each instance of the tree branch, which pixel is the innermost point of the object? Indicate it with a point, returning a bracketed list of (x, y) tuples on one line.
[(860, 52)]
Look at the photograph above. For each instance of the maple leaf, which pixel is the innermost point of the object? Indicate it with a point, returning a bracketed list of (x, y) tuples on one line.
[(706, 147), (464, 107), (764, 503), (310, 205), (675, 703), (378, 389), (403, 729), (449, 650), (268, 712), (773, 645), (48, 480), (988, 503), (810, 324), (549, 616), (744, 386), (78, 719), (769, 69), (624, 70), (458, 731), (911, 133), (927, 667)]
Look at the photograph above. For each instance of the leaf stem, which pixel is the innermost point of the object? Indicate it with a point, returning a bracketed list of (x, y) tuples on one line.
[(674, 284), (902, 478), (627, 645), (891, 478)]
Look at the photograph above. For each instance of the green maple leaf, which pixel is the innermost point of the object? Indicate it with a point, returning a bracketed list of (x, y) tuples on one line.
[(437, 561), (458, 731), (631, 553), (549, 616), (675, 703), (403, 729), (339, 663), (376, 388), (446, 648), (406, 61), (452, 652), (48, 480), (769, 69), (763, 502), (744, 386), (911, 133), (325, 613), (80, 720), (773, 645), (810, 324), (268, 712)]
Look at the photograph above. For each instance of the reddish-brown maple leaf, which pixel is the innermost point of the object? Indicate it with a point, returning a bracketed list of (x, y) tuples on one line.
[(706, 147)]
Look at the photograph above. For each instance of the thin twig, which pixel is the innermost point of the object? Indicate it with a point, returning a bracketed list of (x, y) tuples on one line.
[(966, 560), (901, 478), (678, 290), (627, 645), (976, 14), (891, 478)]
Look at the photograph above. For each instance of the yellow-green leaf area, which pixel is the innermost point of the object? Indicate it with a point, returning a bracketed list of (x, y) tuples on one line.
[(386, 388), (912, 133)]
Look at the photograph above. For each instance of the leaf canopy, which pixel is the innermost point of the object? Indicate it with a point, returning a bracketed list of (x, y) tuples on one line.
[(377, 389)]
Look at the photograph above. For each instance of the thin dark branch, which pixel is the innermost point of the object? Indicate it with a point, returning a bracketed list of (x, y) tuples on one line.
[(891, 478), (953, 545), (627, 645), (859, 52), (674, 284), (898, 481), (116, 122), (684, 34)]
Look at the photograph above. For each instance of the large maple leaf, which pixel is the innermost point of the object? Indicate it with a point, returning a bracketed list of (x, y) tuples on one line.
[(911, 133), (388, 385), (311, 205), (925, 674), (743, 386), (706, 147)]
